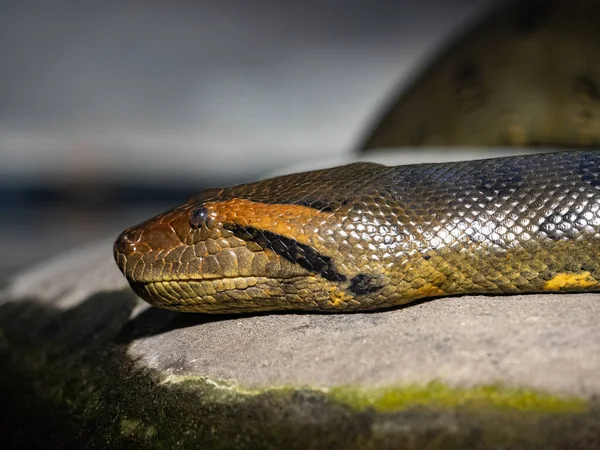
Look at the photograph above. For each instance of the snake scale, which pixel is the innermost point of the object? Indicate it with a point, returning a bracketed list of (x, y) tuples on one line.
[(367, 236)]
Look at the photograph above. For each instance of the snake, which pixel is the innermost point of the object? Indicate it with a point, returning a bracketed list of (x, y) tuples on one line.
[(366, 236)]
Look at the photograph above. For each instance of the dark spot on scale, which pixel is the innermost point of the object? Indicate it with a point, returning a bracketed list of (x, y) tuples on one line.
[(363, 284), (503, 181), (588, 268), (558, 226), (426, 257), (530, 15), (549, 227), (477, 238), (589, 168)]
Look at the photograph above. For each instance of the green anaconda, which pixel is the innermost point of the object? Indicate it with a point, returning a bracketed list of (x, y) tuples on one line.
[(367, 236)]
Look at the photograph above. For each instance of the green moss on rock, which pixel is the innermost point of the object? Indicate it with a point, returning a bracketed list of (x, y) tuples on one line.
[(68, 382), (437, 394)]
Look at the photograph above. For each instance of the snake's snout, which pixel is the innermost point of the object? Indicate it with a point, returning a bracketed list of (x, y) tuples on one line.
[(141, 245), (127, 241), (158, 237), (126, 244)]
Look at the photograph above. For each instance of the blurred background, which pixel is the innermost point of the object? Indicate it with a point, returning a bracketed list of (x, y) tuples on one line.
[(113, 110)]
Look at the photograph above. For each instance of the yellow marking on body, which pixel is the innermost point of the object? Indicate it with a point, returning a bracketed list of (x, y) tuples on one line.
[(570, 281), (338, 297), (428, 290), (292, 221)]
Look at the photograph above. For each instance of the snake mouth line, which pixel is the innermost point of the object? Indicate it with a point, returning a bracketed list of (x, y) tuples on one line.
[(208, 280)]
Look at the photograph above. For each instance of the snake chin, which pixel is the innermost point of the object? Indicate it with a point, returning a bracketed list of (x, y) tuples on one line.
[(237, 294)]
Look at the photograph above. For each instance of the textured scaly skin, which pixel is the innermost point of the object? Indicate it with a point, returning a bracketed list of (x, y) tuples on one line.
[(367, 236)]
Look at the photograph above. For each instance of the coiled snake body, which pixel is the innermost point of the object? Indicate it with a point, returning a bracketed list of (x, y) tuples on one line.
[(366, 236)]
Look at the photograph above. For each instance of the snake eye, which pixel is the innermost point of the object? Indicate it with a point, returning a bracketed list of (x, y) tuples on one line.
[(198, 217)]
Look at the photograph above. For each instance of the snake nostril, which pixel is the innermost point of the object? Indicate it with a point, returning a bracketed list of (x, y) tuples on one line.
[(127, 241)]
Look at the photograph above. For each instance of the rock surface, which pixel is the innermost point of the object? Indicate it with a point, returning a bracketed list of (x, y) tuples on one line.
[(73, 323)]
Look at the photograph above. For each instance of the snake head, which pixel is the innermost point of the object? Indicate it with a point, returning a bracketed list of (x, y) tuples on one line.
[(279, 244)]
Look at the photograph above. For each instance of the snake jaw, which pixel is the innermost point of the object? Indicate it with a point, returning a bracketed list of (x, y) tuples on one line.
[(240, 295)]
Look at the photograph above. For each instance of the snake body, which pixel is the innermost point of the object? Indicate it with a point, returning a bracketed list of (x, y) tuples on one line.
[(367, 236)]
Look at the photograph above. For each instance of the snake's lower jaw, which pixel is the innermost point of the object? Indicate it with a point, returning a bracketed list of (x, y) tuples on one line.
[(246, 295)]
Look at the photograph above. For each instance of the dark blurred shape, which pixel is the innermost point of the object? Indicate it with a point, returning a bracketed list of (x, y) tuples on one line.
[(527, 74)]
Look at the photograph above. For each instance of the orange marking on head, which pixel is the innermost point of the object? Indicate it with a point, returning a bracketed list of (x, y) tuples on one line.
[(292, 221)]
